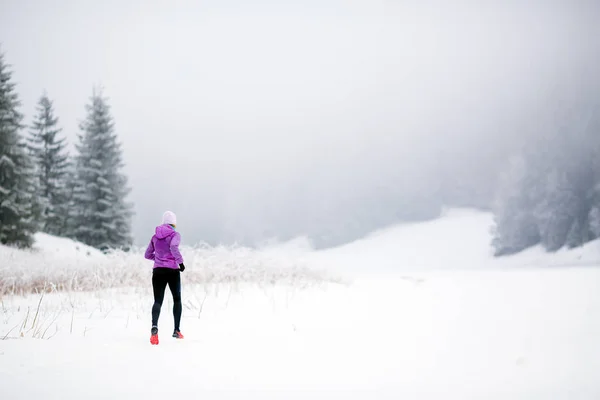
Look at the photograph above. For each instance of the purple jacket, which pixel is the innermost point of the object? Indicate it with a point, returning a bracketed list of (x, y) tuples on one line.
[(164, 248)]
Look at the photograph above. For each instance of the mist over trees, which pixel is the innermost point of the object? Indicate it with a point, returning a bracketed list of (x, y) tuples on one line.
[(540, 179), (539, 176), (549, 191)]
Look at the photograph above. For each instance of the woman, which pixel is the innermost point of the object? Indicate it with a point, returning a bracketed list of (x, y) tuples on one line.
[(164, 251)]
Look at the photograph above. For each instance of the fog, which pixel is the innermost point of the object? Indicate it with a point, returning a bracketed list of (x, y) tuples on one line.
[(325, 118)]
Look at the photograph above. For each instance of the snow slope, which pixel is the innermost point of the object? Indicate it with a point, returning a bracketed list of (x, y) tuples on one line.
[(459, 240), (425, 316), (63, 248)]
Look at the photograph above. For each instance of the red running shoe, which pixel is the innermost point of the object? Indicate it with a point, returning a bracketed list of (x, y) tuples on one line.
[(154, 335), (177, 334)]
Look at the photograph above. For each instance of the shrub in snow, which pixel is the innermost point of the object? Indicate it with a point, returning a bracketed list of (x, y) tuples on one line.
[(62, 264)]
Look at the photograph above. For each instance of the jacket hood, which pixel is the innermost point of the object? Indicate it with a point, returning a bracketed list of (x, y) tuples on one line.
[(163, 231)]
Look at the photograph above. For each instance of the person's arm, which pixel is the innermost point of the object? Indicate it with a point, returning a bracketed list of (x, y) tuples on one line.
[(175, 250), (149, 255)]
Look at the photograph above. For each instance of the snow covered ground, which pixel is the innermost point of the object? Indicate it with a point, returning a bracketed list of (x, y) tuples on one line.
[(422, 312)]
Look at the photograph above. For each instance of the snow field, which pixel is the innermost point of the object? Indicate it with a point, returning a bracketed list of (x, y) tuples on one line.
[(419, 311), (528, 334)]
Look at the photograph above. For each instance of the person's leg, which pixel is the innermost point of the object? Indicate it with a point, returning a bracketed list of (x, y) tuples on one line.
[(175, 287), (159, 283)]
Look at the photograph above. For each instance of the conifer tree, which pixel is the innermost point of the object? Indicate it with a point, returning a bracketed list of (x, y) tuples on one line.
[(515, 225), (17, 187), (100, 212), (51, 161)]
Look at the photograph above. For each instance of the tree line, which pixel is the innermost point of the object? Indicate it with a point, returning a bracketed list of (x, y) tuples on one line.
[(548, 193), (44, 188)]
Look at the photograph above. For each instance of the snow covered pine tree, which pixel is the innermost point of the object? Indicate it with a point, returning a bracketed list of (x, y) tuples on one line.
[(51, 161), (17, 188), (99, 209)]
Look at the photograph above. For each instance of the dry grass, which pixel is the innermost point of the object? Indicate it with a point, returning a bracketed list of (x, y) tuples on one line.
[(25, 272)]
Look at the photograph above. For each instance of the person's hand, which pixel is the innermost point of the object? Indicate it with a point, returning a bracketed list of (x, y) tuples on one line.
[(181, 267)]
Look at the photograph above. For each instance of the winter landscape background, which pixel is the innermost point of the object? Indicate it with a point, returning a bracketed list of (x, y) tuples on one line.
[(376, 199), (328, 119)]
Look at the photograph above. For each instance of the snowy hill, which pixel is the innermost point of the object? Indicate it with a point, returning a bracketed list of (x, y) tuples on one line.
[(63, 247), (459, 240), (423, 312)]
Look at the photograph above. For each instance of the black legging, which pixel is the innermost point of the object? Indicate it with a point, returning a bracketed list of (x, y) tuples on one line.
[(160, 278)]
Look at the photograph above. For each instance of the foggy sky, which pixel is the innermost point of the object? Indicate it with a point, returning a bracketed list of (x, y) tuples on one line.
[(278, 118)]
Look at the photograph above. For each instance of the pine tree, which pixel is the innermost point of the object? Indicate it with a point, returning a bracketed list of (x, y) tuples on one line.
[(51, 159), (101, 215), (593, 144), (69, 223), (594, 220), (570, 183), (515, 225), (555, 215), (17, 187), (559, 184)]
